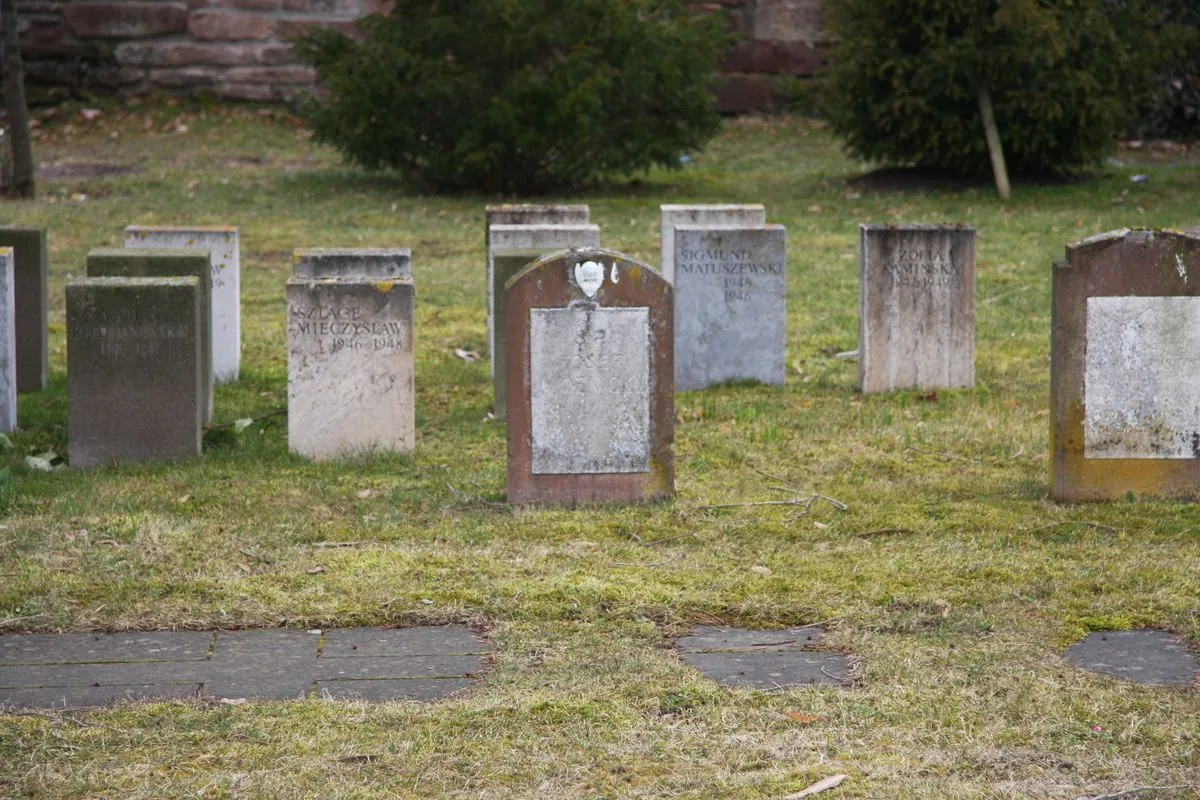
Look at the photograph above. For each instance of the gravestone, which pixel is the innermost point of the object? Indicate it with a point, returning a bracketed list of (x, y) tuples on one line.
[(1125, 367), (520, 214), (589, 353), (350, 353), (721, 215), (511, 244), (134, 383), (223, 247), (32, 304), (730, 305), (916, 307), (8, 341), (540, 238), (115, 262)]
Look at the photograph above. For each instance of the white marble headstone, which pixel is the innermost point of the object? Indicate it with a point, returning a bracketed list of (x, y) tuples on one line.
[(724, 214), (8, 341)]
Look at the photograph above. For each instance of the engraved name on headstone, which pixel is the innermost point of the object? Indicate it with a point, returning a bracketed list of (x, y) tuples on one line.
[(509, 239), (32, 304), (730, 305), (1125, 367), (114, 262), (8, 341), (133, 369), (350, 353), (223, 247), (589, 357), (916, 307), (718, 215)]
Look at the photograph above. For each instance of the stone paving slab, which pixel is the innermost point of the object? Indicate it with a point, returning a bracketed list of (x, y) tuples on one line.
[(1144, 656), (81, 648), (755, 659), (709, 638), (382, 690), (82, 670), (362, 642)]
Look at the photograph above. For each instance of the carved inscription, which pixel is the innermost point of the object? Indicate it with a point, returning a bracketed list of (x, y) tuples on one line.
[(127, 332), (921, 268), (590, 389), (736, 268), (1142, 378), (345, 328)]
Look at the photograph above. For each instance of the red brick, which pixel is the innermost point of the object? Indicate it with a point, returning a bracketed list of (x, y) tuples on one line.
[(229, 25), (125, 20), (774, 57), (292, 29), (292, 74)]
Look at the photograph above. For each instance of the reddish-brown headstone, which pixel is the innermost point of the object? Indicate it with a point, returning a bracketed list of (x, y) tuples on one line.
[(1125, 367), (591, 381)]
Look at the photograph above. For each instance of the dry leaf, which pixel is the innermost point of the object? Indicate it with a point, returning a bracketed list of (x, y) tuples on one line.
[(363, 494), (244, 567), (801, 717), (317, 570), (758, 569), (819, 786), (233, 701), (814, 209), (468, 356), (819, 525)]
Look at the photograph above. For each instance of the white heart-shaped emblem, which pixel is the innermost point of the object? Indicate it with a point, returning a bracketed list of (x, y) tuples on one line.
[(589, 276)]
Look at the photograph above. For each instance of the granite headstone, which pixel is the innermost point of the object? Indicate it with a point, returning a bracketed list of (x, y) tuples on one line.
[(32, 304), (730, 305), (916, 307), (223, 246), (719, 215), (350, 353), (8, 341), (115, 262), (134, 383)]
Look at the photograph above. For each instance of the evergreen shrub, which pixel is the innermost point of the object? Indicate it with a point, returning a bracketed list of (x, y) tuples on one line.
[(1064, 76), (518, 96)]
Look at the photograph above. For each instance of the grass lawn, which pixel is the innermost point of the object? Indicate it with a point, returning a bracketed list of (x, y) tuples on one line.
[(951, 577)]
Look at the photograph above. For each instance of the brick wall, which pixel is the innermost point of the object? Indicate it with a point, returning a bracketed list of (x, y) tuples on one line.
[(239, 48)]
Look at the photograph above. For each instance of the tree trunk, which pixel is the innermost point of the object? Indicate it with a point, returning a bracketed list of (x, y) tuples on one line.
[(995, 150), (14, 101)]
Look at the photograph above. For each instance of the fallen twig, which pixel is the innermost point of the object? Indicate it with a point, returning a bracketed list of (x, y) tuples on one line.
[(337, 544), (55, 718), (11, 620), (1140, 789), (468, 499), (942, 456), (881, 532), (818, 787), (255, 556), (1085, 523), (805, 502)]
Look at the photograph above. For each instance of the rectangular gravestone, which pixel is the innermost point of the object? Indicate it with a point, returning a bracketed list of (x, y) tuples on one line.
[(1125, 367), (350, 353), (540, 238), (223, 246), (520, 214), (720, 215), (730, 305), (8, 341), (589, 355), (116, 262), (32, 304), (134, 382), (916, 307)]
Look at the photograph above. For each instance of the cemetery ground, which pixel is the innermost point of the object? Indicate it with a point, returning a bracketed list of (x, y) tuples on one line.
[(922, 537)]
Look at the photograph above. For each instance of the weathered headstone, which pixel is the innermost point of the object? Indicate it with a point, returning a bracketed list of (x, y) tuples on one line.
[(589, 352), (134, 382), (511, 244), (8, 341), (115, 262), (540, 238), (1125, 367), (223, 247), (916, 307), (32, 304), (728, 215), (730, 305), (350, 353)]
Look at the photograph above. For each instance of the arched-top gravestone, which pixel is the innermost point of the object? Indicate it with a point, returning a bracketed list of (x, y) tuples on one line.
[(590, 362), (1125, 367)]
